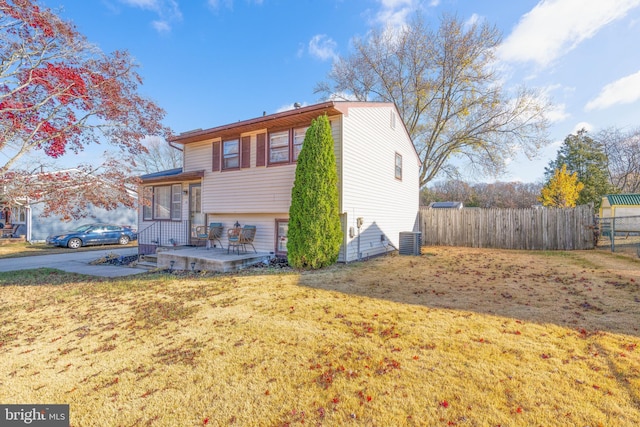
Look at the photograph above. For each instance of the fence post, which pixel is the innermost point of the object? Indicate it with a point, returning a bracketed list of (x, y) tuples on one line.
[(612, 234)]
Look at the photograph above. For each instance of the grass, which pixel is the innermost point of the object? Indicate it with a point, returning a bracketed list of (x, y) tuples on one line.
[(458, 336)]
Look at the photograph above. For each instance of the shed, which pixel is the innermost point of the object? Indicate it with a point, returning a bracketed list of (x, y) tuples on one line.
[(624, 208), (446, 205)]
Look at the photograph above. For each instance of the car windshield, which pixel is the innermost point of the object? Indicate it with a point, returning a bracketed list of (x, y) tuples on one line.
[(83, 228)]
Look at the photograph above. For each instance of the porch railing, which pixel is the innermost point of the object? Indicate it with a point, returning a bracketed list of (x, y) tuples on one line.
[(163, 233)]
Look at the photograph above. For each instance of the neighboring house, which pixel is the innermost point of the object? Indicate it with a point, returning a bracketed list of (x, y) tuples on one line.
[(35, 227), (244, 172), (41, 226), (624, 208), (12, 216)]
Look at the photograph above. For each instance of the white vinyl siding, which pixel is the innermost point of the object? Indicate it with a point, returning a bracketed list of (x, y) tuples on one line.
[(265, 227), (366, 145), (370, 188), (197, 156), (255, 190)]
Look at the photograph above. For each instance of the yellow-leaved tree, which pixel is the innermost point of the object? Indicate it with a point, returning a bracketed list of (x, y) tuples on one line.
[(562, 190)]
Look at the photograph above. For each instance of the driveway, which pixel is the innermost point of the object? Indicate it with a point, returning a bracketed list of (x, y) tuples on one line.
[(75, 262)]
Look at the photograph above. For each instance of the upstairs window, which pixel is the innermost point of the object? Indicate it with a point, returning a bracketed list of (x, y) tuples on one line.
[(231, 154), (279, 147), (298, 139), (398, 166)]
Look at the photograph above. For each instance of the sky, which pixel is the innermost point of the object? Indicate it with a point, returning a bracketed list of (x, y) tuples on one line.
[(214, 62)]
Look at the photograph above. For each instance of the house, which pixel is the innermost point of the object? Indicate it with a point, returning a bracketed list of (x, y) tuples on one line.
[(34, 226), (42, 226), (243, 173), (621, 211)]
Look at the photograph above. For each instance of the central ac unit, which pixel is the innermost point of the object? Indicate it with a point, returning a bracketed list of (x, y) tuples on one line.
[(410, 242)]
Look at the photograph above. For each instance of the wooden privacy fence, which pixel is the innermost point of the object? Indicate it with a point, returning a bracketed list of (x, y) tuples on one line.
[(535, 228)]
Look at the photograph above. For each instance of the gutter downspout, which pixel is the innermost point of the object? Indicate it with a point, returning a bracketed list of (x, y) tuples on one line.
[(173, 146)]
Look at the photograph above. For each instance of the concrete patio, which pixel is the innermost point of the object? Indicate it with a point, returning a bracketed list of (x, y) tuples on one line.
[(203, 259)]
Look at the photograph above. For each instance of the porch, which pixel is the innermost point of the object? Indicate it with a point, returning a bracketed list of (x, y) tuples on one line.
[(190, 258)]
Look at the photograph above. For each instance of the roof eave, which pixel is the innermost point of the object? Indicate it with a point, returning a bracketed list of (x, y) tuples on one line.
[(185, 176), (271, 120)]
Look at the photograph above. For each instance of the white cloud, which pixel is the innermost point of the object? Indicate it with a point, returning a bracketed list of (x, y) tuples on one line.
[(323, 47), (557, 113), (394, 13), (474, 19), (582, 125), (168, 11), (554, 27), (623, 91), (216, 4), (161, 26), (143, 4)]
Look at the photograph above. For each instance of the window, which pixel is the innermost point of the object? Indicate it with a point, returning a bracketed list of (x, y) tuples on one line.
[(231, 154), (279, 147), (398, 166), (282, 228), (147, 200), (298, 139), (176, 202), (166, 202)]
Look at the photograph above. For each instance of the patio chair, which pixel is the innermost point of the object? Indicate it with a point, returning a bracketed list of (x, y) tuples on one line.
[(10, 231), (244, 238), (215, 233), (201, 236)]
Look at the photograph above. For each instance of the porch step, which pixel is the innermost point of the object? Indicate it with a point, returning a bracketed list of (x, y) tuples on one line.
[(148, 262)]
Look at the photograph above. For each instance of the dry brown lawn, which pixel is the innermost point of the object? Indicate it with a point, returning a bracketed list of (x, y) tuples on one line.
[(457, 336)]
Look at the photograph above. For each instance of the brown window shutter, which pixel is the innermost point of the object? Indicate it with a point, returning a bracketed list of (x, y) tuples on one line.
[(245, 149), (261, 149), (216, 157)]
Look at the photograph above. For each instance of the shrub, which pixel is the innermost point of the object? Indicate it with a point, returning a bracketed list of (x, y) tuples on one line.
[(315, 234)]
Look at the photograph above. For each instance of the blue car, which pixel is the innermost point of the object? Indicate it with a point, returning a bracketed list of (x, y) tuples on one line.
[(93, 234)]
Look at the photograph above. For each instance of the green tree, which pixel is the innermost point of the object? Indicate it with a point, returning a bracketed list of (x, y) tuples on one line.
[(562, 190), (586, 157), (449, 92), (315, 233)]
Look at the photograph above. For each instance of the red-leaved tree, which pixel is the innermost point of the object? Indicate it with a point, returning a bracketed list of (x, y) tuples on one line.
[(58, 95)]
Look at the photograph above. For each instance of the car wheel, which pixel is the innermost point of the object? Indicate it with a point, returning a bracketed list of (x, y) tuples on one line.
[(74, 243), (123, 240)]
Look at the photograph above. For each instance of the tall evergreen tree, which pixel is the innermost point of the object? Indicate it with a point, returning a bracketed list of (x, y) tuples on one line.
[(586, 157), (315, 234)]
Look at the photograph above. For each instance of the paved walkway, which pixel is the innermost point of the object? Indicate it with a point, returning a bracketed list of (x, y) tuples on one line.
[(75, 262)]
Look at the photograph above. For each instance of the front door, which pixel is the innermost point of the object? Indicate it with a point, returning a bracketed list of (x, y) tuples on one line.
[(196, 217)]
